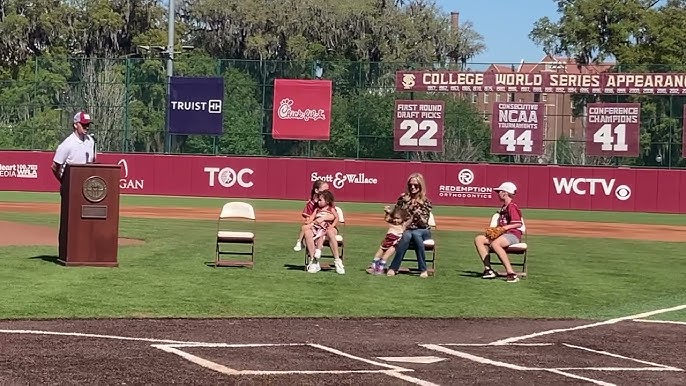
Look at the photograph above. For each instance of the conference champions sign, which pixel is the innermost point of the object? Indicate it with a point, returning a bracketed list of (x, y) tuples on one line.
[(195, 105)]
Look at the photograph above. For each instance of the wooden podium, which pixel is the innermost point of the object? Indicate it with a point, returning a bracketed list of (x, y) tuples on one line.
[(89, 216)]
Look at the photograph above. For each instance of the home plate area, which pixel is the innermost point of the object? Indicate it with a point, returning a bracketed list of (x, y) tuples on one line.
[(342, 351)]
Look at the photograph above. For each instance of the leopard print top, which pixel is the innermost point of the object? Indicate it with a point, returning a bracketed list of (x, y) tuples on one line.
[(419, 212)]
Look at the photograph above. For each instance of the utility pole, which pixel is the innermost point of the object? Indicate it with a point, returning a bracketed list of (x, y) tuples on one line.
[(170, 69)]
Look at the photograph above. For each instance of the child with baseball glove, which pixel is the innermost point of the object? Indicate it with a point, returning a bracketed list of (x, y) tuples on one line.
[(505, 233), (398, 218)]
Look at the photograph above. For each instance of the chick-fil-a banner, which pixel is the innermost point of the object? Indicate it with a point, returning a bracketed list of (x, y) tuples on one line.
[(540, 186)]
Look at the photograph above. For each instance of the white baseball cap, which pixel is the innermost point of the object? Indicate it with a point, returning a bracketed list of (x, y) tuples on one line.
[(508, 187)]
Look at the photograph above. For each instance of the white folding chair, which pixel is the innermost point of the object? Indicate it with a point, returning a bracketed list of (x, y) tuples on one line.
[(235, 211), (520, 248), (339, 239), (429, 248)]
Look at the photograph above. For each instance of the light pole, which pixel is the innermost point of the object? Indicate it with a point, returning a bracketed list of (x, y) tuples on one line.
[(554, 127), (170, 70)]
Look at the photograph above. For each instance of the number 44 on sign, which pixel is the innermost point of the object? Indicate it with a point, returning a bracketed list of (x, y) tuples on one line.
[(510, 141)]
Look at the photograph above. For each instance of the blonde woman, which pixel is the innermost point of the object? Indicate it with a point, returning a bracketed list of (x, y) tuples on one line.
[(418, 206)]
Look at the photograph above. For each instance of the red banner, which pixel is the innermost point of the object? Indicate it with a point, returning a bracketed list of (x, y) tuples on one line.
[(683, 132), (517, 128), (613, 129), (545, 82), (418, 125), (540, 186), (302, 109)]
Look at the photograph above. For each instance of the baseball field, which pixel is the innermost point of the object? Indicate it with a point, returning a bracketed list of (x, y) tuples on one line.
[(604, 302)]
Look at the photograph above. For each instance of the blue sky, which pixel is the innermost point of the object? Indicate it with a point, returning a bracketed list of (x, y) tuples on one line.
[(505, 26)]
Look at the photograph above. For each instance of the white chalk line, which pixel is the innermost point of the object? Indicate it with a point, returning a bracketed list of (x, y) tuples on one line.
[(657, 369), (170, 345), (408, 378), (389, 370), (197, 360), (584, 326), (476, 358), (570, 375), (85, 335), (492, 345), (369, 361), (660, 321), (622, 357)]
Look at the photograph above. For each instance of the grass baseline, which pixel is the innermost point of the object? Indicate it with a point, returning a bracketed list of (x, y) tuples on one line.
[(357, 207), (167, 277)]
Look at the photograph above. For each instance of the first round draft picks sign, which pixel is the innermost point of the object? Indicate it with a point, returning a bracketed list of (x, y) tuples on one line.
[(418, 125), (517, 128)]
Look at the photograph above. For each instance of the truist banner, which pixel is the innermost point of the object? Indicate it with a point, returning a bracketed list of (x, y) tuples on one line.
[(540, 186), (550, 83), (302, 109), (195, 105)]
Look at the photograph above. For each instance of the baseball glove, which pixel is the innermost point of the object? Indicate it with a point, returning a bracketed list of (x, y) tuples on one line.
[(493, 233)]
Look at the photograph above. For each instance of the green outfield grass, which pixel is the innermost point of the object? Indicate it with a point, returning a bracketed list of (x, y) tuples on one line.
[(167, 277), (486, 212)]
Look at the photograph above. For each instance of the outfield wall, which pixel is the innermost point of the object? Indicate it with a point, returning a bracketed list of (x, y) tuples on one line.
[(540, 186)]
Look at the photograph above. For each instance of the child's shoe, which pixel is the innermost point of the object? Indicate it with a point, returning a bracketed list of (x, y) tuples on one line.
[(339, 266), (380, 267), (298, 246)]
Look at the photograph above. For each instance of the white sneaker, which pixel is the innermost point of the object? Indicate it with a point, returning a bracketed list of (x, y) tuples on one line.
[(317, 253), (314, 267), (339, 266), (298, 246)]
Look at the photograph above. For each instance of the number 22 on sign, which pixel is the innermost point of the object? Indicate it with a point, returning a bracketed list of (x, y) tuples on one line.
[(419, 135), (426, 139)]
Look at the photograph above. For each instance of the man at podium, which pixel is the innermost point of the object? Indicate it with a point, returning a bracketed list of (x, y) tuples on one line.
[(78, 148)]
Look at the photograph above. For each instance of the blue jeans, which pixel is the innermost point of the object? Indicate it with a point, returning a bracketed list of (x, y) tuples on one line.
[(418, 236)]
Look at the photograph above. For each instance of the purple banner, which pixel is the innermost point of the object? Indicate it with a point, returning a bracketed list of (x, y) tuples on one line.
[(195, 105)]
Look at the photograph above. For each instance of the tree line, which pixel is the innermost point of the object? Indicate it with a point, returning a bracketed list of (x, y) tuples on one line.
[(109, 57)]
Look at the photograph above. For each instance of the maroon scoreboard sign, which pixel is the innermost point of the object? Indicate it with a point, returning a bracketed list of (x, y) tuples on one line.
[(613, 129), (517, 128), (418, 125), (683, 133)]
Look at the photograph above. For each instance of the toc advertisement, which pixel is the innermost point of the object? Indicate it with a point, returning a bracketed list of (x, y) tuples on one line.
[(195, 106)]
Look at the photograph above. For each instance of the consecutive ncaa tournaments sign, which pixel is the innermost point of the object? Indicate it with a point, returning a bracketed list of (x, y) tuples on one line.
[(418, 125), (517, 128), (195, 105), (613, 129)]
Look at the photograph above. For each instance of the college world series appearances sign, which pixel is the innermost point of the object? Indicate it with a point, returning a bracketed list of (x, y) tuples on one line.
[(550, 83), (418, 125), (195, 105)]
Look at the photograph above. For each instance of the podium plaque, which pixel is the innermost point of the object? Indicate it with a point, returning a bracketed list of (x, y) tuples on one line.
[(89, 215)]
